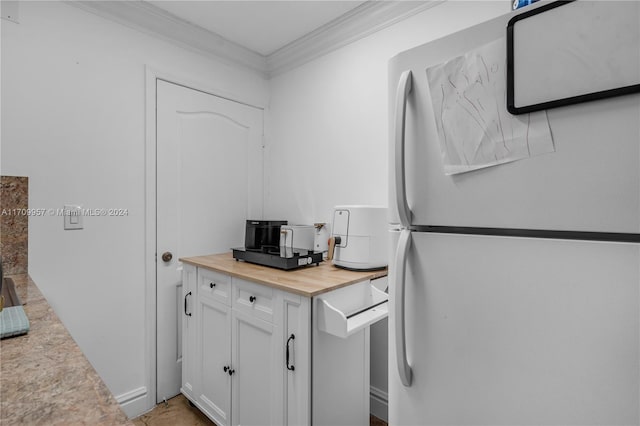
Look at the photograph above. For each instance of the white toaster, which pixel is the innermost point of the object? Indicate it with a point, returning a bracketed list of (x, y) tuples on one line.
[(297, 236)]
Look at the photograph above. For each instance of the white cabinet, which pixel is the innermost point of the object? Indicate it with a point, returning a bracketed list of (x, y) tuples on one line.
[(248, 351), (234, 363)]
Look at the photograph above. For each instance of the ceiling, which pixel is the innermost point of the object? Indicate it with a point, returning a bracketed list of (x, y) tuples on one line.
[(267, 36), (260, 26)]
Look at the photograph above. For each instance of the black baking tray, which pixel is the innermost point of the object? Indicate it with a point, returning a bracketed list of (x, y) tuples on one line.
[(297, 259)]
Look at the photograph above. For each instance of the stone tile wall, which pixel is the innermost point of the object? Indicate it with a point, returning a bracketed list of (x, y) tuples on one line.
[(14, 224)]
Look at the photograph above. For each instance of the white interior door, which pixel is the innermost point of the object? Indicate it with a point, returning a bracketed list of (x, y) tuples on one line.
[(209, 181)]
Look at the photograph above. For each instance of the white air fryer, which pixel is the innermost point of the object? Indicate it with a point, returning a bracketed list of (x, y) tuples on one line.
[(359, 237)]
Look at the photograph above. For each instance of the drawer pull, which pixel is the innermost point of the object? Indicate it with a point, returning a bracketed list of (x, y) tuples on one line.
[(212, 285), (252, 299), (185, 304), (290, 367)]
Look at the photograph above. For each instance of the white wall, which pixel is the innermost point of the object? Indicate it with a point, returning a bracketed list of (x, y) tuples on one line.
[(328, 126), (73, 120), (328, 119)]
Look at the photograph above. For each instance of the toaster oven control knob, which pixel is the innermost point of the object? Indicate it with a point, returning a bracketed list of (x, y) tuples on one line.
[(167, 256)]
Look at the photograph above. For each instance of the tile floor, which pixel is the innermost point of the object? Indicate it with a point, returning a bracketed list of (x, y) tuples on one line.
[(178, 412)]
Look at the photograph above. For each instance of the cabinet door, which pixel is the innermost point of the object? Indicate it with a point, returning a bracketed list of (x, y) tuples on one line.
[(297, 340), (214, 354), (258, 361), (189, 336)]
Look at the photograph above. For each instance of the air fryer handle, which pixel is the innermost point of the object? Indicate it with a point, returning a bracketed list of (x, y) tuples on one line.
[(333, 241), (404, 370)]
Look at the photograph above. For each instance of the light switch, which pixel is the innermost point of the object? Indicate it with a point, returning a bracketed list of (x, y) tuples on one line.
[(72, 217)]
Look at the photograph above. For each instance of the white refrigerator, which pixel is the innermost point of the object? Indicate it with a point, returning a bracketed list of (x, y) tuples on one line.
[(514, 289)]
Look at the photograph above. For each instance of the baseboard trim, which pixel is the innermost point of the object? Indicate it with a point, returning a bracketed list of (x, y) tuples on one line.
[(379, 403), (134, 402)]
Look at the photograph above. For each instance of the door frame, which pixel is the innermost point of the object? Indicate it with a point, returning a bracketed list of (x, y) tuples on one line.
[(144, 398)]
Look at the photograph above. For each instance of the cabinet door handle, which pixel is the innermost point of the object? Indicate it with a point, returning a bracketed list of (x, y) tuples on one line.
[(290, 367), (185, 304), (212, 285), (252, 299), (228, 370)]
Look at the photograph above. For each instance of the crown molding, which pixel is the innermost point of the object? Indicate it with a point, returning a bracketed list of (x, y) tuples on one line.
[(147, 18), (364, 20)]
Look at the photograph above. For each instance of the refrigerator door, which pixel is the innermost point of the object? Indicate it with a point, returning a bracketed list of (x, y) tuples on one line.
[(591, 183), (506, 331)]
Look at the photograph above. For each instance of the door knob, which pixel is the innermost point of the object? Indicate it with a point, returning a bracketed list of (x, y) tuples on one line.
[(167, 256)]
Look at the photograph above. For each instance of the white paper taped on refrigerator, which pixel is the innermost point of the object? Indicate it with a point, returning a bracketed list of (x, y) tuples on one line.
[(475, 129)]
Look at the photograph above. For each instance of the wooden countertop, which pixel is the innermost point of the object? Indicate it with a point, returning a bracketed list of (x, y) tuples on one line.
[(44, 376), (308, 281)]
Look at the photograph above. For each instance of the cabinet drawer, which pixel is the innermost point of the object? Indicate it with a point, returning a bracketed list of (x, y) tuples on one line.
[(215, 286), (254, 299)]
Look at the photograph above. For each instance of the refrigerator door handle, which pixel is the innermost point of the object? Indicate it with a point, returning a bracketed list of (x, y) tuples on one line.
[(404, 370), (405, 86)]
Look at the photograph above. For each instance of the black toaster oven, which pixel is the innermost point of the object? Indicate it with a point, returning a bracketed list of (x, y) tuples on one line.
[(262, 234)]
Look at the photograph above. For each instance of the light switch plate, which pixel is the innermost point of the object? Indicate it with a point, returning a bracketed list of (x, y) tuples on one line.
[(73, 217)]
